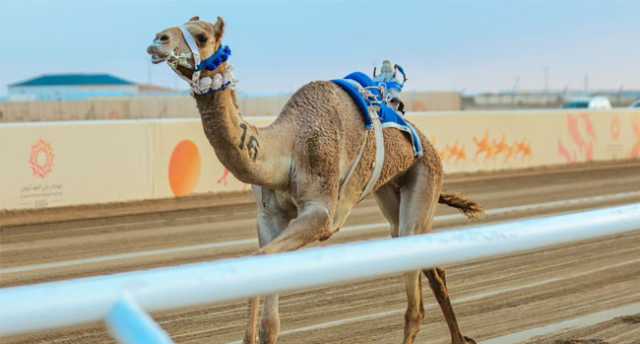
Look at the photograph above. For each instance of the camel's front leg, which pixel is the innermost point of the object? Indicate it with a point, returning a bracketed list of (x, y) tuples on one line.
[(312, 224), (271, 222), (270, 323), (251, 333)]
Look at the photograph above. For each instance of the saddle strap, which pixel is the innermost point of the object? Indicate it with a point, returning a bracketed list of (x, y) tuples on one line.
[(354, 165), (379, 162)]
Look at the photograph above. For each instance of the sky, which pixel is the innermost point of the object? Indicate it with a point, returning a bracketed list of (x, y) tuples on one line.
[(278, 46)]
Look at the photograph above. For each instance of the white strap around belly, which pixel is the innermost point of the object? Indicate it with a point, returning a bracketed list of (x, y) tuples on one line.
[(379, 162)]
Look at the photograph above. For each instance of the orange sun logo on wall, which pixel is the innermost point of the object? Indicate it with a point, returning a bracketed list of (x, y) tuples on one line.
[(184, 168), (41, 160)]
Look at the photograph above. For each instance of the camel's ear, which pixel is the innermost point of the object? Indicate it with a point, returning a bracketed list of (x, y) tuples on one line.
[(196, 18), (218, 28)]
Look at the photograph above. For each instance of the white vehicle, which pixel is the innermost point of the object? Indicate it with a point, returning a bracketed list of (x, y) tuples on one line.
[(635, 105), (589, 103)]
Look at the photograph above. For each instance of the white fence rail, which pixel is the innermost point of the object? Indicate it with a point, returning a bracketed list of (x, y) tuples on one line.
[(114, 297)]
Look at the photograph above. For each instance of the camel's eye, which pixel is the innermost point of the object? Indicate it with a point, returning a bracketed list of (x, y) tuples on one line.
[(202, 38)]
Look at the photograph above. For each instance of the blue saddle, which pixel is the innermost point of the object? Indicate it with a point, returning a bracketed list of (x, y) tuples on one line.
[(389, 118)]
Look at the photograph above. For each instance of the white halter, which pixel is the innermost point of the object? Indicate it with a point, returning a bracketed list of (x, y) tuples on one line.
[(206, 84)]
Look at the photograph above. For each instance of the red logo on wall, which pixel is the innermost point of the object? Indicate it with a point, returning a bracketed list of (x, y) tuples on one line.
[(41, 160)]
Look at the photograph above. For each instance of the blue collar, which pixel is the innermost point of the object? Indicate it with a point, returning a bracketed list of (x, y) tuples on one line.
[(216, 60)]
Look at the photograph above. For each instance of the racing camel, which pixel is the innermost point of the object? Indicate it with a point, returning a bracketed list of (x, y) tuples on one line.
[(311, 166)]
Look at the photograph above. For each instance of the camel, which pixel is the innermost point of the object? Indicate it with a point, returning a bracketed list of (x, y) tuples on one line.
[(298, 167)]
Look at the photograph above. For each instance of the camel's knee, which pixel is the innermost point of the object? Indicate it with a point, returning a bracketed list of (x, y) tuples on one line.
[(320, 219), (314, 219), (325, 230), (312, 224)]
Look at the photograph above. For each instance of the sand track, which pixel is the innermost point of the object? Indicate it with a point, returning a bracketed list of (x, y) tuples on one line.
[(493, 297)]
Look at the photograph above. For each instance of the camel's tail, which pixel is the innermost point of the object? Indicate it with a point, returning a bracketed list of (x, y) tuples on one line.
[(470, 208)]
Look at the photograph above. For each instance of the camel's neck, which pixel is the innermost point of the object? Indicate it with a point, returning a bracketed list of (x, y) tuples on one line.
[(252, 154)]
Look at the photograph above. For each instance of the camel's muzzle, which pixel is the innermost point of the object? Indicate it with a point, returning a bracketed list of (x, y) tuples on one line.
[(158, 53)]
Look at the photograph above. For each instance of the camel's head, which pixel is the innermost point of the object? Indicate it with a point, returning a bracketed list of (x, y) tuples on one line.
[(171, 46)]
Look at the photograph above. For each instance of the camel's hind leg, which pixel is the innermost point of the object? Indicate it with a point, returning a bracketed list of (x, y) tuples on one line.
[(388, 200), (418, 198), (438, 282)]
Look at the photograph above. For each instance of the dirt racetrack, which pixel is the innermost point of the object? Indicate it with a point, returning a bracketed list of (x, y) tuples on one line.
[(586, 292)]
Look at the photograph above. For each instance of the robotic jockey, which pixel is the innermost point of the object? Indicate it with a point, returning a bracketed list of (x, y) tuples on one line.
[(388, 77)]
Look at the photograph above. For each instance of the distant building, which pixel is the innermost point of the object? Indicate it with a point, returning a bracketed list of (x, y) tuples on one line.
[(544, 99), (75, 87)]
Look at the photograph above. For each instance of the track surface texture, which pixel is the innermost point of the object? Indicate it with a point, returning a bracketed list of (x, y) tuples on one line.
[(580, 293)]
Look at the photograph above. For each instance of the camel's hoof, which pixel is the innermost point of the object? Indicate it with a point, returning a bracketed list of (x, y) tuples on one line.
[(470, 340)]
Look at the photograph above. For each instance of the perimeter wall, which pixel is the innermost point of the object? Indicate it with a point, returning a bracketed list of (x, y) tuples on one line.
[(48, 164), (152, 107)]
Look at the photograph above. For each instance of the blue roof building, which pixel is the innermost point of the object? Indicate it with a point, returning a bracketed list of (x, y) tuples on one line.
[(58, 87)]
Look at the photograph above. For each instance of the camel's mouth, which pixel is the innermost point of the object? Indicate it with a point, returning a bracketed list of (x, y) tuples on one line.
[(155, 59), (157, 53)]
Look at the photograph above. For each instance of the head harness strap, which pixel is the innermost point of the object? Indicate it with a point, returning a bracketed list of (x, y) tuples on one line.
[(211, 63), (191, 43), (195, 52)]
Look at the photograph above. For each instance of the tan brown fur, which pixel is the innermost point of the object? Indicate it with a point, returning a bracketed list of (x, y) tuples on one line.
[(468, 207), (298, 166)]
